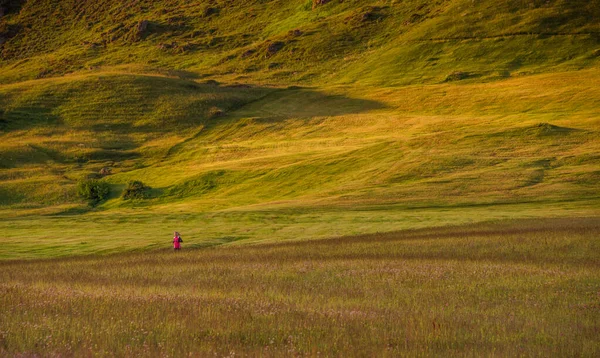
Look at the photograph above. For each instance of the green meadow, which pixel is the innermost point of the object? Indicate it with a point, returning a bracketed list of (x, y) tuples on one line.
[(350, 178)]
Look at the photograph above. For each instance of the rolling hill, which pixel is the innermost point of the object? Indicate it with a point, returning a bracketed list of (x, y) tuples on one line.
[(350, 178), (266, 120)]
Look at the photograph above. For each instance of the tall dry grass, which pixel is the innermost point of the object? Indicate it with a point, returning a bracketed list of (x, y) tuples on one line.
[(521, 288)]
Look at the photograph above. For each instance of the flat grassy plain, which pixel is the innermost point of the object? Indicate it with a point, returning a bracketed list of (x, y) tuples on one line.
[(512, 288)]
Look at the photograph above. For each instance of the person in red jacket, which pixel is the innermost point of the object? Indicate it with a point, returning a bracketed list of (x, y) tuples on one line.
[(177, 241)]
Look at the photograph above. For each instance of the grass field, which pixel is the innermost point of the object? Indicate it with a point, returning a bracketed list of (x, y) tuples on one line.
[(514, 288), (350, 178)]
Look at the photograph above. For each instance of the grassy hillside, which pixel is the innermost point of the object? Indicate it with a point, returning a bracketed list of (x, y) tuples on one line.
[(229, 163), (379, 115), (532, 138), (381, 42)]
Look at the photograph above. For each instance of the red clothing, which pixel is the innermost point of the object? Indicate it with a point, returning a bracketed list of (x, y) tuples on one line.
[(177, 243)]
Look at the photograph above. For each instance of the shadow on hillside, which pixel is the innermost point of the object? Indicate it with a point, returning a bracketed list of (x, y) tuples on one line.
[(27, 117), (293, 103), (540, 131), (191, 103), (304, 103), (11, 7), (193, 106)]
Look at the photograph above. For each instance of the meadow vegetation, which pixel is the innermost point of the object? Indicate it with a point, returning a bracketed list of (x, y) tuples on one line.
[(93, 190), (135, 189), (372, 177), (272, 152), (518, 288)]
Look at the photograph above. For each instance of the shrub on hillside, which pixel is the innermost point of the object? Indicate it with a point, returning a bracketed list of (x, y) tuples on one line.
[(93, 190), (136, 190)]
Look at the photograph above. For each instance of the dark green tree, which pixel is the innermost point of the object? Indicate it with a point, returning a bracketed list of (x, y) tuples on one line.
[(136, 190), (93, 190)]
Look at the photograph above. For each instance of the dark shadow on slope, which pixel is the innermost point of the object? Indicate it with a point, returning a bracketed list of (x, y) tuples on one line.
[(10, 7), (27, 117), (130, 103), (122, 107), (293, 103), (540, 130), (117, 109), (305, 103)]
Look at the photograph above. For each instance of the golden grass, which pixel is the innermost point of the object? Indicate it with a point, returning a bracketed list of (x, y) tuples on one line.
[(289, 151), (512, 288), (231, 165)]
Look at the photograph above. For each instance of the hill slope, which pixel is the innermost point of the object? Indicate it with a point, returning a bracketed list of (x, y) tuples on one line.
[(282, 41), (246, 118)]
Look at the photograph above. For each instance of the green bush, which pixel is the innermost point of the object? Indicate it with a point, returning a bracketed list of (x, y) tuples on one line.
[(93, 190), (136, 190)]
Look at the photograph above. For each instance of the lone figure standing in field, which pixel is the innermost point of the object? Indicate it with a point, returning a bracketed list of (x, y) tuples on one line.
[(177, 241)]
